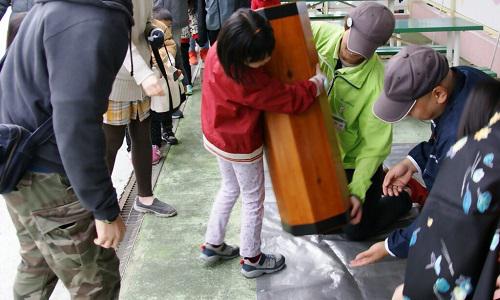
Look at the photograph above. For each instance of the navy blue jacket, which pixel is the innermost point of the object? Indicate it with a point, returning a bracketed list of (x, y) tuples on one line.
[(428, 155), (48, 71)]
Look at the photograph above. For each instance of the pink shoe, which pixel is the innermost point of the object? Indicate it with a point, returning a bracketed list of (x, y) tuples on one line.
[(156, 154)]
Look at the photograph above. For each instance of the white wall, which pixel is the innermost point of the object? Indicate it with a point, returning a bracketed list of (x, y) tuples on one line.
[(486, 12), (3, 31)]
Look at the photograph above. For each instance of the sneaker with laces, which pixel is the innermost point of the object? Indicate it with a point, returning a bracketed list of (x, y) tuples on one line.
[(189, 90), (211, 255), (161, 209), (268, 263), (155, 154), (169, 138)]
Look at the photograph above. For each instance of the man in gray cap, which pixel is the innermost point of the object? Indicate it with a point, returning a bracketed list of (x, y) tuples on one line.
[(419, 83), (348, 58)]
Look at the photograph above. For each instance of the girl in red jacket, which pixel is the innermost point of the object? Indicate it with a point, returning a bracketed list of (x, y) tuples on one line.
[(235, 92), (264, 3)]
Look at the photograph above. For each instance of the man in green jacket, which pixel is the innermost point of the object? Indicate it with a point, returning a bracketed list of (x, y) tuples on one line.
[(347, 57)]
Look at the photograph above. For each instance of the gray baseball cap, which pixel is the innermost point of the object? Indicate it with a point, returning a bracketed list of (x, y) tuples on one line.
[(409, 75), (371, 25)]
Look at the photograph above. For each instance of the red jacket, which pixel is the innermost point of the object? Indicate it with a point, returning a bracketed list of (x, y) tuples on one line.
[(264, 3), (231, 113)]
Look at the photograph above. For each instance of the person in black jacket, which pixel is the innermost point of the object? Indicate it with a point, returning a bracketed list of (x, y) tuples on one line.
[(455, 242), (65, 208), (214, 14), (18, 6)]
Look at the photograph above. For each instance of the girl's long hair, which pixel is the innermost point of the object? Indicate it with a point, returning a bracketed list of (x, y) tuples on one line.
[(483, 102), (244, 38)]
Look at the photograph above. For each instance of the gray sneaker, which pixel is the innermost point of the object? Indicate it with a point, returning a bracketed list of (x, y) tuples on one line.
[(210, 255), (268, 263), (161, 209)]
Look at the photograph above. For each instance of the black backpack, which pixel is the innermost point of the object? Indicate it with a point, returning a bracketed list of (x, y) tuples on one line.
[(17, 148)]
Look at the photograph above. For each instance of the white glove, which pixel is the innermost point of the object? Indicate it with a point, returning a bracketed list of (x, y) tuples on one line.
[(320, 80)]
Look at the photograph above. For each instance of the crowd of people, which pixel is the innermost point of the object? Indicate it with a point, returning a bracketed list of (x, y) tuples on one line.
[(134, 72)]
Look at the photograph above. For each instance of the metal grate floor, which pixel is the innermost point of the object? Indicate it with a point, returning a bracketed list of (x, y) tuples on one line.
[(131, 218)]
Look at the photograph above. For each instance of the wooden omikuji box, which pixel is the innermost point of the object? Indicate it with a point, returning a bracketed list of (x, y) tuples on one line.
[(302, 151)]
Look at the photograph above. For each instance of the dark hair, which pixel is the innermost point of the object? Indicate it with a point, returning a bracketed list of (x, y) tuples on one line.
[(483, 102), (245, 37), (14, 24), (162, 14)]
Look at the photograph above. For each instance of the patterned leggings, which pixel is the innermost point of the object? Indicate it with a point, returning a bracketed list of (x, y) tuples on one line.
[(249, 180)]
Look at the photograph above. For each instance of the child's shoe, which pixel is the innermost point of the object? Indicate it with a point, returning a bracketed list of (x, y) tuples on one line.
[(193, 58), (155, 154), (169, 138), (189, 90), (177, 114), (210, 254), (268, 263), (203, 53)]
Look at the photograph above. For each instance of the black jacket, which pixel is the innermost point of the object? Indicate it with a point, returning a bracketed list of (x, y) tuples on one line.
[(455, 242), (18, 6), (178, 9), (63, 63)]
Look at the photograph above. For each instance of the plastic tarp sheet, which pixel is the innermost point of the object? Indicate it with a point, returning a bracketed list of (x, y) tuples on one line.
[(318, 265)]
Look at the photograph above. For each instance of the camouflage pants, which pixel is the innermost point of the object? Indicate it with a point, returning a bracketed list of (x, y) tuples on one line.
[(57, 242)]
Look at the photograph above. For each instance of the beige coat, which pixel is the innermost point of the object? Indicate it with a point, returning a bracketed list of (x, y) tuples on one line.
[(128, 88)]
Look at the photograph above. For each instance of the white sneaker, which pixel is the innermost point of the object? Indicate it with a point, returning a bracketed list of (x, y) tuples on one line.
[(268, 263), (210, 254)]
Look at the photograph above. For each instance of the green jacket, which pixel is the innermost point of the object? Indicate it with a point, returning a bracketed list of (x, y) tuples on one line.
[(365, 141)]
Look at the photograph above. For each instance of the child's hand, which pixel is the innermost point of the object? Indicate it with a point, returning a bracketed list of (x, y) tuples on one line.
[(375, 253), (356, 210), (152, 87), (320, 80)]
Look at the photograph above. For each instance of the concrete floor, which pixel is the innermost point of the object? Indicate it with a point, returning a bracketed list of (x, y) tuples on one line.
[(164, 264)]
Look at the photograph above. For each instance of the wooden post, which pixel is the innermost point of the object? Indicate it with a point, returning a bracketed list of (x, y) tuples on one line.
[(302, 151)]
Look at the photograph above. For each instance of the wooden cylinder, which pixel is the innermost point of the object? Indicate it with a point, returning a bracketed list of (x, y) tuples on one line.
[(302, 151)]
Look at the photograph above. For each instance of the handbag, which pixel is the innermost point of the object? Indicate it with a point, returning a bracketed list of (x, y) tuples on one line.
[(18, 145)]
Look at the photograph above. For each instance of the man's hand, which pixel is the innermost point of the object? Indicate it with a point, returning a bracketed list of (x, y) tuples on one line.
[(375, 253), (152, 87), (109, 235), (398, 177), (496, 295), (356, 210), (398, 292)]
